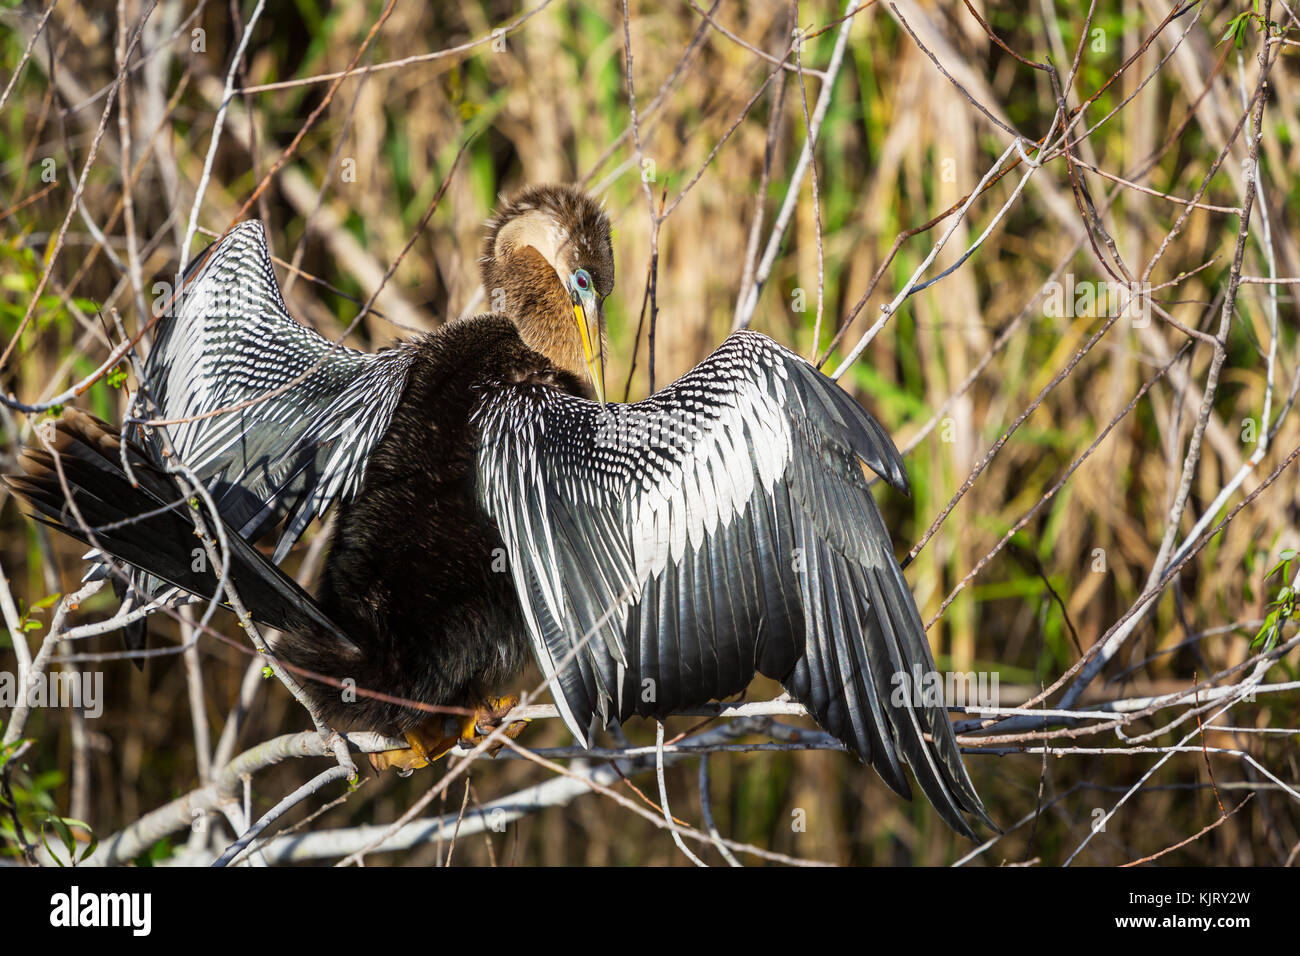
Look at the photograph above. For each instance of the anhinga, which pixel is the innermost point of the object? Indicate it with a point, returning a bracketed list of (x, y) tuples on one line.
[(490, 503)]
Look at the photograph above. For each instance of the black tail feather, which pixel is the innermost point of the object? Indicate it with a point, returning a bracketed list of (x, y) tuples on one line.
[(146, 524)]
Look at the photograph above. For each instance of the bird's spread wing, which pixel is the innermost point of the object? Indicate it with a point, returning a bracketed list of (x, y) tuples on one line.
[(722, 526), (229, 340)]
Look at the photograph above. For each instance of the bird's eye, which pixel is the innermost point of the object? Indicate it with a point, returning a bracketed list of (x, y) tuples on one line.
[(581, 280)]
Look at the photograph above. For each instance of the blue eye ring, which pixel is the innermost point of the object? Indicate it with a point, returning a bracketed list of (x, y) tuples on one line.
[(582, 280)]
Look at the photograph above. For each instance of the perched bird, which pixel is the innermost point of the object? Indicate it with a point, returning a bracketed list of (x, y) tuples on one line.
[(490, 503)]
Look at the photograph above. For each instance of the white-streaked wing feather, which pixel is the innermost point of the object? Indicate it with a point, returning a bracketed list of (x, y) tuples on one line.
[(659, 549), (228, 340)]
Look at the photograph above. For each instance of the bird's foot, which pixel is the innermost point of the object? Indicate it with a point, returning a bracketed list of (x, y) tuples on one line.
[(428, 742), (487, 719), (439, 735)]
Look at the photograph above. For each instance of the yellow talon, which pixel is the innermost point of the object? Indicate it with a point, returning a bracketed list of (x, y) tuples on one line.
[(468, 728), (440, 735), (424, 749), (417, 748), (495, 711)]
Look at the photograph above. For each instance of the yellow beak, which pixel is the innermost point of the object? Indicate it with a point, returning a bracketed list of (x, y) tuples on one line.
[(587, 312)]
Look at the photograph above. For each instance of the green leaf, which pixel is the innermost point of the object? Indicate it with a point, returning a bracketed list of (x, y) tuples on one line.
[(92, 843), (8, 750), (159, 851), (62, 827), (47, 601), (50, 850), (1264, 633)]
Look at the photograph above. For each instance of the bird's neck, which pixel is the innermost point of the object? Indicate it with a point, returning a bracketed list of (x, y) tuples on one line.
[(561, 345), (526, 287)]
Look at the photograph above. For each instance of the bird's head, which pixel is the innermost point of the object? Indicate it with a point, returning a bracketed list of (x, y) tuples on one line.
[(548, 264)]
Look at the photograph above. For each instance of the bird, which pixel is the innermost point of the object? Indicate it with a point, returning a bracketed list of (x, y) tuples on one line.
[(492, 506)]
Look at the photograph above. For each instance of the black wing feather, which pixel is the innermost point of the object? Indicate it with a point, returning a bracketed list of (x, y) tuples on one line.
[(742, 540), (229, 339)]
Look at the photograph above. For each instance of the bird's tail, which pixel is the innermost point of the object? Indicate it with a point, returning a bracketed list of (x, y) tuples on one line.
[(76, 483)]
